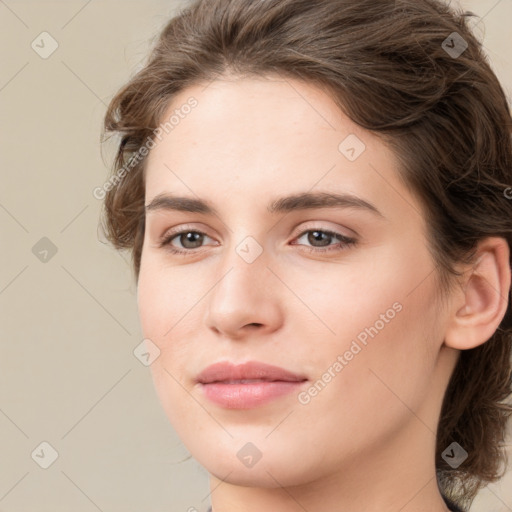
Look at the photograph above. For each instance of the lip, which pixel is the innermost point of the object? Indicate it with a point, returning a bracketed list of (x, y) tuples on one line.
[(247, 385)]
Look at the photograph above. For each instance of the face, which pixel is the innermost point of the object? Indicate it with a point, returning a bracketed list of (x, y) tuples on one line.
[(340, 293)]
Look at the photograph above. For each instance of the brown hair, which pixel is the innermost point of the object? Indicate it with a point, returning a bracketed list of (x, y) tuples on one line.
[(396, 69)]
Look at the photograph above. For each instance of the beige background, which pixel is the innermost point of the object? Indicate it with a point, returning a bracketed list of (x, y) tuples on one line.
[(68, 375)]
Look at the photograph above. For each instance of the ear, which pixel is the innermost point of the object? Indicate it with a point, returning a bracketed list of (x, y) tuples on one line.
[(479, 307)]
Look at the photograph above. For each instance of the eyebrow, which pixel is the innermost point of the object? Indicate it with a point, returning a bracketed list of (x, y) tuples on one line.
[(300, 201)]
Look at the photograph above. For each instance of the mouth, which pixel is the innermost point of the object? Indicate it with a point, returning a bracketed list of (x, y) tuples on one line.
[(244, 381), (247, 385)]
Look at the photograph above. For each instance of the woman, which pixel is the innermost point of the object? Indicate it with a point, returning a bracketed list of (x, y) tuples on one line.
[(317, 199)]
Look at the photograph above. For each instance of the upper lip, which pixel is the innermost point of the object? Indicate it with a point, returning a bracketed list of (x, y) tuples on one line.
[(252, 370)]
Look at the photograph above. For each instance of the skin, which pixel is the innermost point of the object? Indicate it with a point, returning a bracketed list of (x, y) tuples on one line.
[(366, 442)]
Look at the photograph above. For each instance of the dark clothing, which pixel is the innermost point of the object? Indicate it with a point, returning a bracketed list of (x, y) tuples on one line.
[(449, 504)]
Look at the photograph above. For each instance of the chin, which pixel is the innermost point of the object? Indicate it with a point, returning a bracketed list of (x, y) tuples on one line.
[(274, 468), (258, 476)]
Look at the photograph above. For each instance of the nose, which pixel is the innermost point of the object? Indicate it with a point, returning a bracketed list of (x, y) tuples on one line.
[(245, 299)]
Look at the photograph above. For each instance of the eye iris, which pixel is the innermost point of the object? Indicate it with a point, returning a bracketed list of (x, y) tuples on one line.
[(315, 236), (193, 237)]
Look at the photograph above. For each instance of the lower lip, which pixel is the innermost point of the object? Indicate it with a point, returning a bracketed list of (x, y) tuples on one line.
[(247, 395)]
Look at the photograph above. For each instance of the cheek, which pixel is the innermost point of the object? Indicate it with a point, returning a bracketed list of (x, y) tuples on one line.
[(166, 298), (387, 342), (160, 311), (163, 302), (380, 298), (384, 337)]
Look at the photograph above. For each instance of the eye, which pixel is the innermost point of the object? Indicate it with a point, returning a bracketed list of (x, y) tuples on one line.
[(323, 237), (188, 238), (320, 239)]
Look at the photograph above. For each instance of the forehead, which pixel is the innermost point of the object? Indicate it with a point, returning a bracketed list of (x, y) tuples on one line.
[(266, 116), (246, 139)]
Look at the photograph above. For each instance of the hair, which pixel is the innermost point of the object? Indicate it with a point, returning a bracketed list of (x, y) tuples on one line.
[(388, 67)]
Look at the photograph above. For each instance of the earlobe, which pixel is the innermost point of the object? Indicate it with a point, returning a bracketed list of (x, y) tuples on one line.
[(480, 306)]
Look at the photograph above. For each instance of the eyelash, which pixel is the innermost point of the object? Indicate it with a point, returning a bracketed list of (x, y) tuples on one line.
[(345, 242)]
